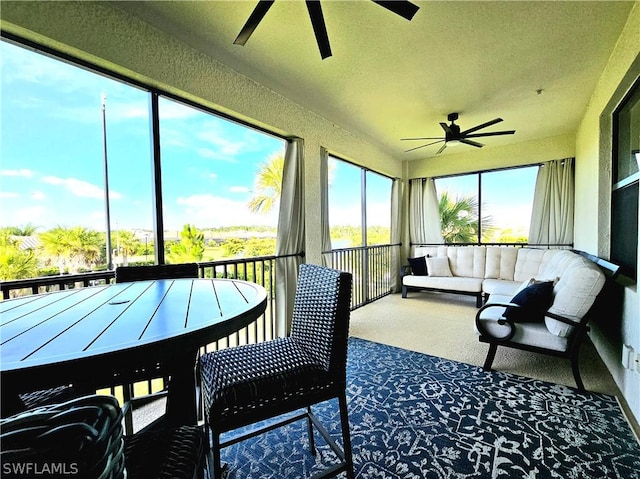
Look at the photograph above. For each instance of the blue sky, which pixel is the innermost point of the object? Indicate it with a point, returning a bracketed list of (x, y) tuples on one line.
[(51, 153)]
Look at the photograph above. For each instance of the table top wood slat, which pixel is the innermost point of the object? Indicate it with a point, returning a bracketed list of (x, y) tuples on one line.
[(84, 323), (170, 311), (235, 299), (21, 321), (9, 308)]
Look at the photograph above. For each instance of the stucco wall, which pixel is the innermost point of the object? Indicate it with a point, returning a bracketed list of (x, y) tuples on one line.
[(104, 35), (593, 190)]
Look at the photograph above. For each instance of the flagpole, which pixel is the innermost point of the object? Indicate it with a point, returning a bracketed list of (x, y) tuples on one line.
[(106, 183)]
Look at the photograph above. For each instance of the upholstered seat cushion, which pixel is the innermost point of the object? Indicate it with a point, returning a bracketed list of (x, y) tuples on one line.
[(532, 334), (502, 287), (243, 378)]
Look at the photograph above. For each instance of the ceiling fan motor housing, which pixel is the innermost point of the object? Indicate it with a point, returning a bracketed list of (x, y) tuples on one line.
[(453, 133)]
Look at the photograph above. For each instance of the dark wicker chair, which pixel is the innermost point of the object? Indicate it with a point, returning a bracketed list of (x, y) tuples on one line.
[(156, 271), (145, 273), (246, 384), (84, 438)]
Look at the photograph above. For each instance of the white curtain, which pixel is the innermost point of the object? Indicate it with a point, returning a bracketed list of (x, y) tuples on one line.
[(396, 233), (291, 238), (324, 207), (553, 204), (424, 215)]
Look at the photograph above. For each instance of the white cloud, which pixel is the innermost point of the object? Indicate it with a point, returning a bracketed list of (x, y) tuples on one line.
[(9, 194), (175, 111), (23, 172), (209, 210), (32, 214), (215, 155), (239, 189), (212, 133), (80, 188), (38, 195)]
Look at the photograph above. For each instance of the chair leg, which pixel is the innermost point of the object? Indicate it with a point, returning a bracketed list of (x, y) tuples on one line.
[(215, 449), (127, 394), (346, 436), (312, 441), (575, 367), (491, 354)]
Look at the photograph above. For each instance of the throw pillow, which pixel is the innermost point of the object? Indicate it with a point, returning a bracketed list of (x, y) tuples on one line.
[(438, 266), (418, 265), (534, 300)]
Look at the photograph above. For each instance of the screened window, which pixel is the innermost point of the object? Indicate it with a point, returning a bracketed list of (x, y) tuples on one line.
[(53, 164), (220, 186), (359, 206), (487, 207), (72, 137), (624, 195)]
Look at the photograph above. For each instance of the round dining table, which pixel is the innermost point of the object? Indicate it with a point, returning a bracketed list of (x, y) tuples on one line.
[(120, 333)]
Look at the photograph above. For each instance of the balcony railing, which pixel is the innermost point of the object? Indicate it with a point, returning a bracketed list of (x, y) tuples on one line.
[(371, 270)]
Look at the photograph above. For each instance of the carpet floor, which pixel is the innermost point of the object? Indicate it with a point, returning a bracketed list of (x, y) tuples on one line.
[(414, 415)]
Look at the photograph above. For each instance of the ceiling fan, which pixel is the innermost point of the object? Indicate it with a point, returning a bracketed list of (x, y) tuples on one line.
[(404, 8), (452, 134)]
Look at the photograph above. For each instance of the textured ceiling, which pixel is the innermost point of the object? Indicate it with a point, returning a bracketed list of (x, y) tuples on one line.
[(390, 78)]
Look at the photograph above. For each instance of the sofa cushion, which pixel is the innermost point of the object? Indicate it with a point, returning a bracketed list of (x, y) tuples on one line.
[(502, 287), (534, 300), (500, 262), (575, 292), (533, 334), (438, 266), (418, 265), (467, 261), (531, 263)]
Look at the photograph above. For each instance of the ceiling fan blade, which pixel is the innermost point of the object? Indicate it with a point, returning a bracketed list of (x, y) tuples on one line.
[(483, 125), (441, 149), (446, 128), (425, 138), (491, 133), (422, 146), (319, 27), (404, 8), (254, 19), (472, 143)]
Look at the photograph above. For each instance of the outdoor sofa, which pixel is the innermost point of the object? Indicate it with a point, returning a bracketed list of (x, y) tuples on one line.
[(534, 299)]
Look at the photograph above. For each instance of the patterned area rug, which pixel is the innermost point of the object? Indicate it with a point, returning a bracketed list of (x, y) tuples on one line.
[(419, 416)]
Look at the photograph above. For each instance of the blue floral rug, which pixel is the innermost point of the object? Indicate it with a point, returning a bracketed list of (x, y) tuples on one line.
[(417, 416)]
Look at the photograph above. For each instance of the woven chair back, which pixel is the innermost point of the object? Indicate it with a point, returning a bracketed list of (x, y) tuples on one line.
[(156, 271), (321, 311)]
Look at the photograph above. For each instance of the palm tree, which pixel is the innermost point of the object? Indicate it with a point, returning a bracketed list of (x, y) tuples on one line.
[(458, 219), (73, 248), (26, 230), (190, 248), (268, 186), (15, 263), (55, 244), (127, 244)]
